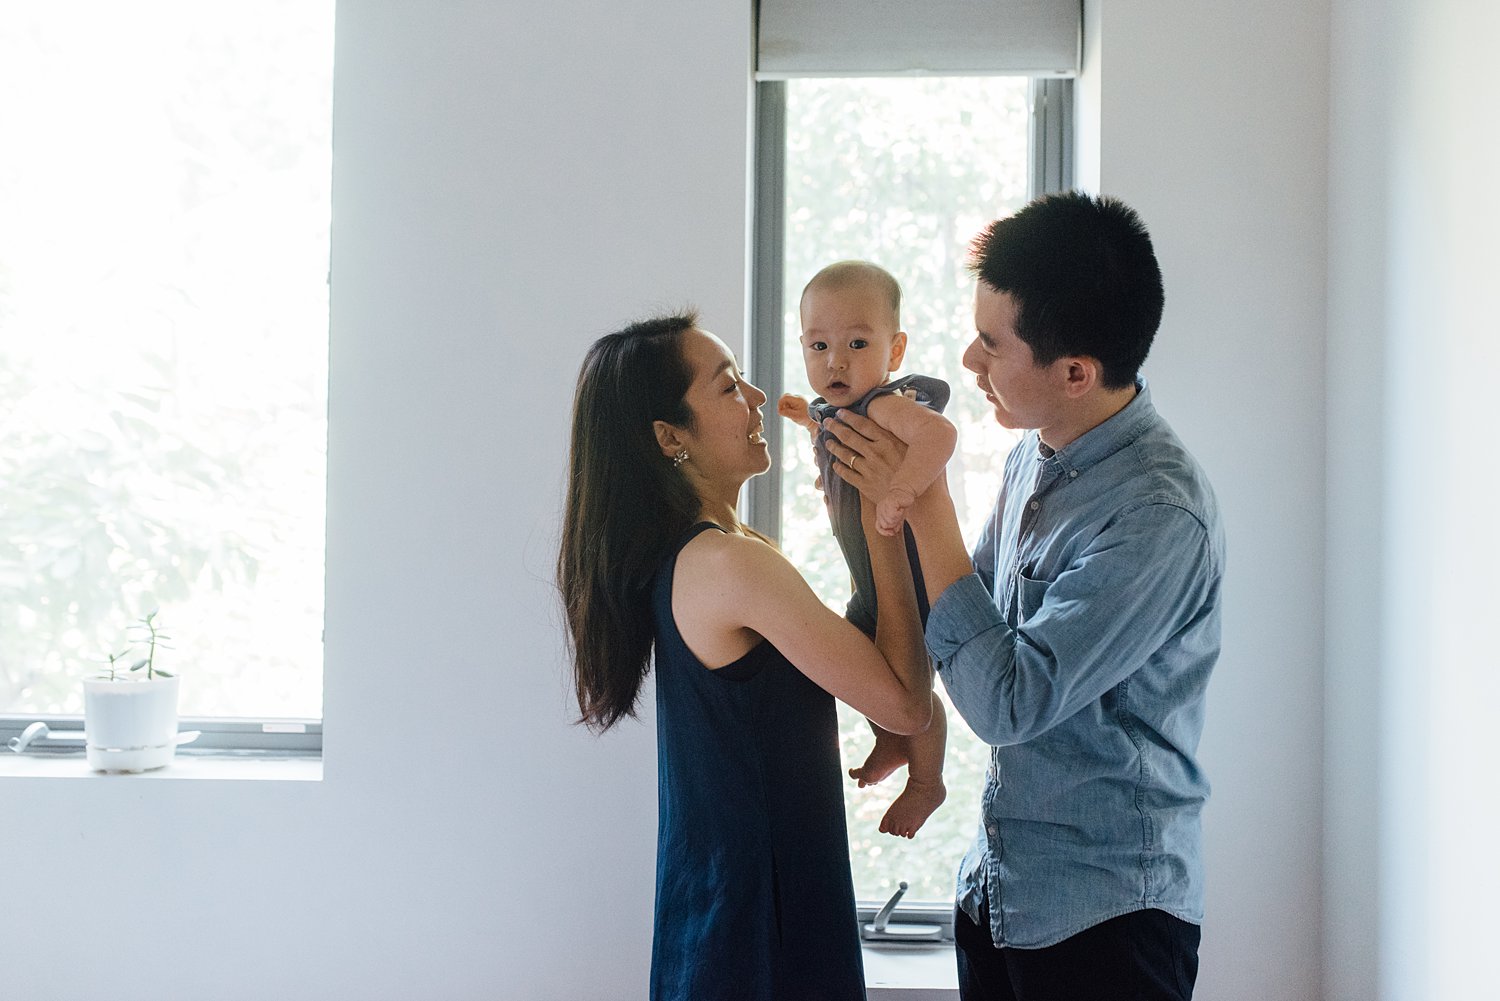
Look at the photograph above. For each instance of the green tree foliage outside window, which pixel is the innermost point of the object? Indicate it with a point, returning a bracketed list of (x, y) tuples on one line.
[(902, 172), (164, 218)]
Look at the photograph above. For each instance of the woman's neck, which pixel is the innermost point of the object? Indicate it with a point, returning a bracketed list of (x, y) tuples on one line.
[(724, 515), (718, 501)]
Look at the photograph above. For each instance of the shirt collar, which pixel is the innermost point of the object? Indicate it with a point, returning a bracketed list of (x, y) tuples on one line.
[(1101, 442)]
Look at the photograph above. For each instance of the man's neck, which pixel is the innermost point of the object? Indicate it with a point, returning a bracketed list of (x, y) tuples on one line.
[(1091, 411)]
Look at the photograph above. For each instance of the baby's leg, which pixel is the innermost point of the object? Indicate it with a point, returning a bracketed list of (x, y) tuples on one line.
[(888, 754), (924, 791)]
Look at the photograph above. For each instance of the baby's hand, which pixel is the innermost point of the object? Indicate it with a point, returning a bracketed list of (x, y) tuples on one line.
[(890, 513), (794, 408)]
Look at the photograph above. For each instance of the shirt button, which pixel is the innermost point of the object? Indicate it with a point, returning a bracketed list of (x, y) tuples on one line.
[(1036, 505), (1072, 473)]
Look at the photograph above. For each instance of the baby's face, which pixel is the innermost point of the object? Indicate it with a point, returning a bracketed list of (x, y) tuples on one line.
[(850, 342)]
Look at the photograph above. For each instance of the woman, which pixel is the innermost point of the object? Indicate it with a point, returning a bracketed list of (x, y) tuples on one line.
[(754, 898)]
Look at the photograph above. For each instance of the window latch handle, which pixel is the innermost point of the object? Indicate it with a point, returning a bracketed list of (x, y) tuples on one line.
[(35, 731), (882, 916), (882, 929)]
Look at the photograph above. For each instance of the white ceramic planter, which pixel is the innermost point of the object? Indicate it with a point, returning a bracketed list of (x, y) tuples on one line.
[(129, 726)]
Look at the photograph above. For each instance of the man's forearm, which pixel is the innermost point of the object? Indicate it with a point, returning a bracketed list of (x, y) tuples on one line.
[(940, 544)]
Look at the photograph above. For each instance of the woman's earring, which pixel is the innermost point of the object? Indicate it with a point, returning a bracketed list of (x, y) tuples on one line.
[(679, 458)]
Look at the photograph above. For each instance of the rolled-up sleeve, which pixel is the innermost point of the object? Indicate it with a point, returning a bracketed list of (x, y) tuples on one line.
[(973, 649), (1100, 620), (964, 614)]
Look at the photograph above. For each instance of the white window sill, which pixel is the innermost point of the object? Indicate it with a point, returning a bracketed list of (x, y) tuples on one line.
[(908, 973), (228, 767)]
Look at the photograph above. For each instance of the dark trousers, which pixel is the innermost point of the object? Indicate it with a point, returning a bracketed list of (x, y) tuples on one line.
[(1142, 956)]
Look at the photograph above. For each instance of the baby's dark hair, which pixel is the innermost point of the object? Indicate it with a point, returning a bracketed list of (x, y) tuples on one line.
[(851, 274), (1084, 277)]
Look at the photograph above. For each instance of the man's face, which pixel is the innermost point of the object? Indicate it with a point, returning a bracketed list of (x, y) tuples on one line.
[(850, 343), (1023, 394)]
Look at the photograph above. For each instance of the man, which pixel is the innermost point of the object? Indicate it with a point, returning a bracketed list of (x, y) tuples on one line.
[(1079, 637)]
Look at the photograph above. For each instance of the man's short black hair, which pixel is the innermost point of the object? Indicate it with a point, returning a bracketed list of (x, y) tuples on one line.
[(1084, 278)]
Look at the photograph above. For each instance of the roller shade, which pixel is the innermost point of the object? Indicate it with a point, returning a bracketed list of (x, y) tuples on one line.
[(797, 38)]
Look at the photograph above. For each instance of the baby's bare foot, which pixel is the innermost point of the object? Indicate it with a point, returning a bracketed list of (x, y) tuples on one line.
[(885, 757), (912, 808)]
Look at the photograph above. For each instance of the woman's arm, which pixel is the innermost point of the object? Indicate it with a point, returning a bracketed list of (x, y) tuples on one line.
[(898, 627), (735, 589)]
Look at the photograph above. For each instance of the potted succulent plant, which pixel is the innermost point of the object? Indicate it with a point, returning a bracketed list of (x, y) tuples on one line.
[(130, 713)]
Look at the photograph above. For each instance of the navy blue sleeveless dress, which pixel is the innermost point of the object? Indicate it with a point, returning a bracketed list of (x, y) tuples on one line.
[(754, 899)]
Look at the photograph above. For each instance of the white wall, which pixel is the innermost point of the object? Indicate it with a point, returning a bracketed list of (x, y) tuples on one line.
[(506, 188), (510, 182), (1360, 95), (1213, 125), (1414, 343)]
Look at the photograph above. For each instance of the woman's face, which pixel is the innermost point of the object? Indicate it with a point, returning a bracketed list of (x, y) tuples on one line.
[(725, 442)]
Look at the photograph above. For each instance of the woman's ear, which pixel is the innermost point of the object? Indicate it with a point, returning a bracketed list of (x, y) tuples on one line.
[(668, 437)]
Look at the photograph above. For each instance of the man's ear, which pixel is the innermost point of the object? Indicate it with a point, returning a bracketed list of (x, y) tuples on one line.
[(898, 351), (1080, 374), (668, 437)]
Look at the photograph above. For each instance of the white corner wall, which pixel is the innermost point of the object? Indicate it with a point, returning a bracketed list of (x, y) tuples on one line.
[(511, 182), (1213, 124), (1361, 86), (1413, 669)]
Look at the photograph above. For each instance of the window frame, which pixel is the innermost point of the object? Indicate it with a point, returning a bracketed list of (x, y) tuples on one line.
[(1050, 154), (228, 736), (218, 735)]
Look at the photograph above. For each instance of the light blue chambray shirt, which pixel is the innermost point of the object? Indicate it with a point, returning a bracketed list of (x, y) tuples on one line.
[(1080, 650)]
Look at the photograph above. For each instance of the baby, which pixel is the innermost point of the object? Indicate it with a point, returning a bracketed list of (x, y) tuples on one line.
[(851, 342)]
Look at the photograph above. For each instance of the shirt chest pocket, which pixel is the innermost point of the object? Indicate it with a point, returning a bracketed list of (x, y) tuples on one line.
[(1029, 595)]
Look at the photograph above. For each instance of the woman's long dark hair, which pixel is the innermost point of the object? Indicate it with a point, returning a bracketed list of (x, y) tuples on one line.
[(626, 507)]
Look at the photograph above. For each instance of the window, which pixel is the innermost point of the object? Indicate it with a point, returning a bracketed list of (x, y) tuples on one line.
[(902, 171), (164, 232)]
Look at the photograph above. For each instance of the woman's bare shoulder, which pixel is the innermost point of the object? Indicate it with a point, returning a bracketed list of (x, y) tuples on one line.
[(743, 577), (730, 553)]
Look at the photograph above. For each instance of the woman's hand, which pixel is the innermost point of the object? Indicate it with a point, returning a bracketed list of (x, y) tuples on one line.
[(865, 454)]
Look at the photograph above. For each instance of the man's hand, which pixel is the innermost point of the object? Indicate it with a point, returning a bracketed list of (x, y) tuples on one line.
[(865, 454)]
